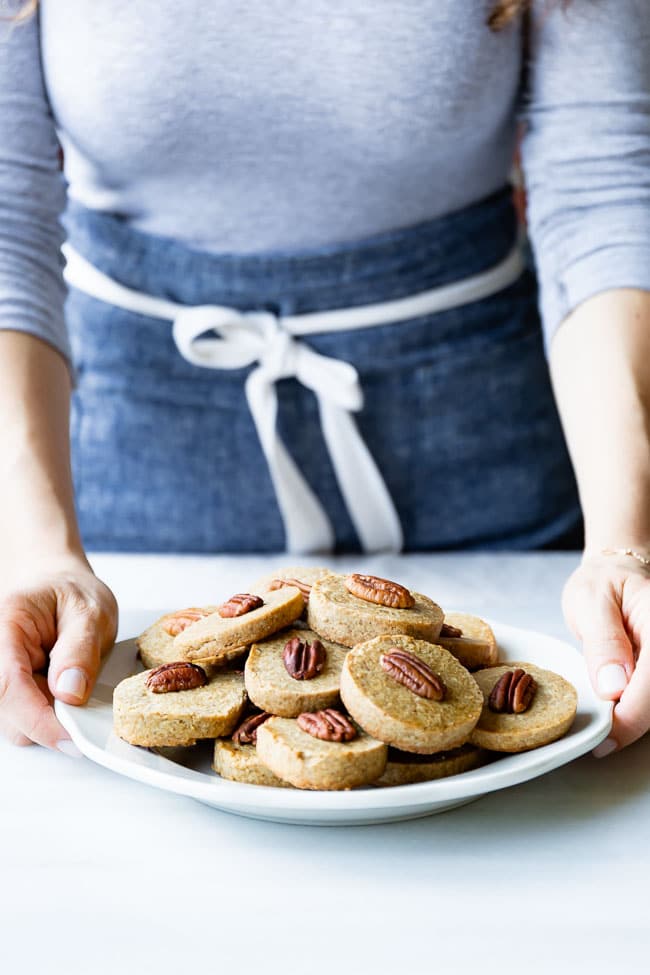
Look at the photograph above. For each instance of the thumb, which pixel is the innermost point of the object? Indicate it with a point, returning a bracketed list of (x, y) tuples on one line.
[(75, 657), (594, 614)]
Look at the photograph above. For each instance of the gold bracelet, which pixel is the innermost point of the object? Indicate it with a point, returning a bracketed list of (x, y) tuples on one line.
[(643, 559)]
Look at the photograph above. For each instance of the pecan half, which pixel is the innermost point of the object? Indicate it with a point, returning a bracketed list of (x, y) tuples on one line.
[(448, 631), (513, 693), (328, 725), (246, 734), (179, 676), (240, 604), (182, 618), (413, 673), (304, 661), (382, 591), (304, 587)]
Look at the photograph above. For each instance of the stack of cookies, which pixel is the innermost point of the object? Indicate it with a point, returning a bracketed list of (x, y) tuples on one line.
[(322, 681)]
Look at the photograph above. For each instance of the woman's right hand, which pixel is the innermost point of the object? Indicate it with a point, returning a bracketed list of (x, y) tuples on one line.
[(61, 615)]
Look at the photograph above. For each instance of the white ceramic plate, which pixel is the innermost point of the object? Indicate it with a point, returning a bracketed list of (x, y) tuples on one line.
[(187, 770)]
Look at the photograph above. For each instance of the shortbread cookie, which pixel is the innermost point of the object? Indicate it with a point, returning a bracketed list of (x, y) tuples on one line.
[(240, 763), (404, 768), (216, 636), (157, 644), (335, 613), (475, 647), (271, 687), (178, 717), (392, 711), (549, 715), (308, 762)]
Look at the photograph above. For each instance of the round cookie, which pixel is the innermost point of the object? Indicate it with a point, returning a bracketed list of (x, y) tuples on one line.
[(404, 768), (310, 763), (549, 716), (391, 712), (271, 688), (336, 614), (215, 636), (142, 717), (477, 647), (156, 646), (240, 763)]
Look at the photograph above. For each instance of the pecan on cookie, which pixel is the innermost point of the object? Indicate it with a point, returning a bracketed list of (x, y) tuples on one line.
[(302, 660), (328, 725), (304, 587), (176, 622), (246, 733), (449, 632), (178, 676), (409, 670), (382, 591), (513, 693), (240, 604)]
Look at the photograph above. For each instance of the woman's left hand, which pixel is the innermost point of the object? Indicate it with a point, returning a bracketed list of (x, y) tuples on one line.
[(607, 605)]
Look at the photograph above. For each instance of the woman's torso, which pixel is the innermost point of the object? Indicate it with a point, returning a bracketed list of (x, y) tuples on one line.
[(261, 125)]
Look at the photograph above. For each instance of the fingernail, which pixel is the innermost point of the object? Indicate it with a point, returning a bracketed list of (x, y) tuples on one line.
[(611, 679), (73, 683), (68, 748), (605, 748)]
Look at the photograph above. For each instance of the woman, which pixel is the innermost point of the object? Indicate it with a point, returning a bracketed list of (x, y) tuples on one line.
[(328, 183)]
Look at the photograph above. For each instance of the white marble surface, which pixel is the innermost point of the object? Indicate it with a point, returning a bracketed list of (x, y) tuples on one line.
[(99, 874)]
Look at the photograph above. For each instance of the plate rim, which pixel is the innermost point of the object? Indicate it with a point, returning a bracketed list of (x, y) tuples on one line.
[(233, 796)]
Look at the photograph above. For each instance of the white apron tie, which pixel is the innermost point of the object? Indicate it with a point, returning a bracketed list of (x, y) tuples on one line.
[(241, 339)]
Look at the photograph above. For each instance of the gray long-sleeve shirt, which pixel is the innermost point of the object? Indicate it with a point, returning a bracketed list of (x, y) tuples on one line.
[(255, 125)]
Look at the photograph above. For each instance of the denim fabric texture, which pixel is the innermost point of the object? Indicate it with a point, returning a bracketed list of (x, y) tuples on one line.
[(458, 410)]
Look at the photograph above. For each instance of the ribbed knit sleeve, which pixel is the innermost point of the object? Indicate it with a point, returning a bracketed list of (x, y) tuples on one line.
[(32, 192), (586, 151)]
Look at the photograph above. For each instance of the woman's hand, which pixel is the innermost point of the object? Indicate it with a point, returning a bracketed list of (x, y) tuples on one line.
[(64, 615), (607, 605)]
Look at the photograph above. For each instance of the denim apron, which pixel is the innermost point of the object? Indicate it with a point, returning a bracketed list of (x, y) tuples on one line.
[(457, 412)]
